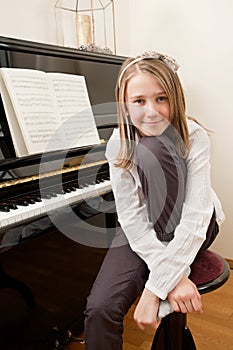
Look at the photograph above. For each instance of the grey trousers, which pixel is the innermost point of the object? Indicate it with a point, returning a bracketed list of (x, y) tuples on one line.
[(120, 280), (123, 274)]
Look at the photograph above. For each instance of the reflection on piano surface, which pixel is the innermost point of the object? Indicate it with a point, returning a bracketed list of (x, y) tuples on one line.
[(57, 213)]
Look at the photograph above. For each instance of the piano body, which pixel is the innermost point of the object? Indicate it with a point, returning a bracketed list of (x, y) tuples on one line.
[(57, 213)]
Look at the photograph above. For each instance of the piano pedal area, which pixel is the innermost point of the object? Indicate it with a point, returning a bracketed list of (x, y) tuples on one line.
[(67, 341)]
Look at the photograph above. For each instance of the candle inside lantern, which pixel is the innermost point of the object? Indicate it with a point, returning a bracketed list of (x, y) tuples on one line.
[(83, 26)]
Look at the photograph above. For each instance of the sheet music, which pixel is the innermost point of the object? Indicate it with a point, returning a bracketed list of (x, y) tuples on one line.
[(52, 110), (75, 109)]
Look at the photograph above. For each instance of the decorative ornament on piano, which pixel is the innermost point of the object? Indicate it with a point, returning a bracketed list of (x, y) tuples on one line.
[(88, 25)]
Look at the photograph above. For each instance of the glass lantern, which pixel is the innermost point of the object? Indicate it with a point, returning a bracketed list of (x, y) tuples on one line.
[(87, 25)]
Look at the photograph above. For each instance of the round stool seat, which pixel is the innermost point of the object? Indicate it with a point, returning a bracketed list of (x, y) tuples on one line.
[(209, 271)]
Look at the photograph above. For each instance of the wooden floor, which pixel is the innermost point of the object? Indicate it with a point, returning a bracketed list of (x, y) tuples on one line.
[(213, 330)]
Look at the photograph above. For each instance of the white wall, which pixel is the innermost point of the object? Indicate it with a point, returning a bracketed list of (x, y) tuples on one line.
[(197, 33), (35, 21), (30, 20)]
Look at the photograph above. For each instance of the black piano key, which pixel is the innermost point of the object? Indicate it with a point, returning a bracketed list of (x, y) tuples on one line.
[(49, 192), (52, 194), (32, 197), (30, 200), (69, 189), (8, 205), (84, 185), (45, 195), (18, 201), (37, 199), (61, 192), (4, 208), (58, 191), (81, 186), (73, 188)]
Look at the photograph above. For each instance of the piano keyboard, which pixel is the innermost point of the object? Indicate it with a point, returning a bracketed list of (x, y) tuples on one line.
[(39, 208), (29, 198)]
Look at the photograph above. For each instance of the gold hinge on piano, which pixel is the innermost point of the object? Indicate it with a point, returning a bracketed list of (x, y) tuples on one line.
[(51, 173)]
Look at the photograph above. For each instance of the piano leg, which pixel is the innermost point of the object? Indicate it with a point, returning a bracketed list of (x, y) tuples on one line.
[(6, 281), (58, 346)]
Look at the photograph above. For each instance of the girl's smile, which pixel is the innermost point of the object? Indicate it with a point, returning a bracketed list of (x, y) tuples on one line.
[(147, 104)]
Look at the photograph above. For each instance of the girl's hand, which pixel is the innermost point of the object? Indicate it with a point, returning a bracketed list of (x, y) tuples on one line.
[(185, 297), (146, 310)]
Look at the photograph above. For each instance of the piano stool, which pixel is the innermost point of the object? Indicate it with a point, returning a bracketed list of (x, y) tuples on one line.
[(209, 271)]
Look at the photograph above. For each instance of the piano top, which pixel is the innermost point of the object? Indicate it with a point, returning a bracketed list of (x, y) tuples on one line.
[(26, 46)]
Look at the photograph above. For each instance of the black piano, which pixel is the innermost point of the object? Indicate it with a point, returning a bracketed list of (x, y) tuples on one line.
[(57, 213)]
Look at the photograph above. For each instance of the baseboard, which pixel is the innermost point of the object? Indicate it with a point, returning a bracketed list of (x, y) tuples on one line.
[(230, 262)]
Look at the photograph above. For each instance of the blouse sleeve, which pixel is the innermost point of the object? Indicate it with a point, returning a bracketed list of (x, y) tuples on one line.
[(167, 264)]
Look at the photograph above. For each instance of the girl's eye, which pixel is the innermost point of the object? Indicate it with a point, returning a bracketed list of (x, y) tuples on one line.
[(162, 98), (139, 101)]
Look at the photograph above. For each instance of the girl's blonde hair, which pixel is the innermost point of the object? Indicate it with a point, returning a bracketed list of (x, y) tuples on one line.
[(169, 81)]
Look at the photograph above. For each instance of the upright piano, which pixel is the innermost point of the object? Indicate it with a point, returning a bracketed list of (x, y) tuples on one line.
[(57, 212)]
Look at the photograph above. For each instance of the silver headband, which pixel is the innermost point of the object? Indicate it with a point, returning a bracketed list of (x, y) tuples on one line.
[(169, 61)]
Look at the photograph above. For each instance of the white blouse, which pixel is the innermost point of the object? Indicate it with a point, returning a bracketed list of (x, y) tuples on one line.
[(167, 262)]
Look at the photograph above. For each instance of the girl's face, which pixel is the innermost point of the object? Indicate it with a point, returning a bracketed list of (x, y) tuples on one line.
[(147, 104)]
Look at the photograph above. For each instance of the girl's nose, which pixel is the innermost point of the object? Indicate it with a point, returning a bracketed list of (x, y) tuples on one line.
[(151, 109)]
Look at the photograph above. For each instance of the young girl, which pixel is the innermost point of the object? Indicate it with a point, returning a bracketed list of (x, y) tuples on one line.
[(168, 212)]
